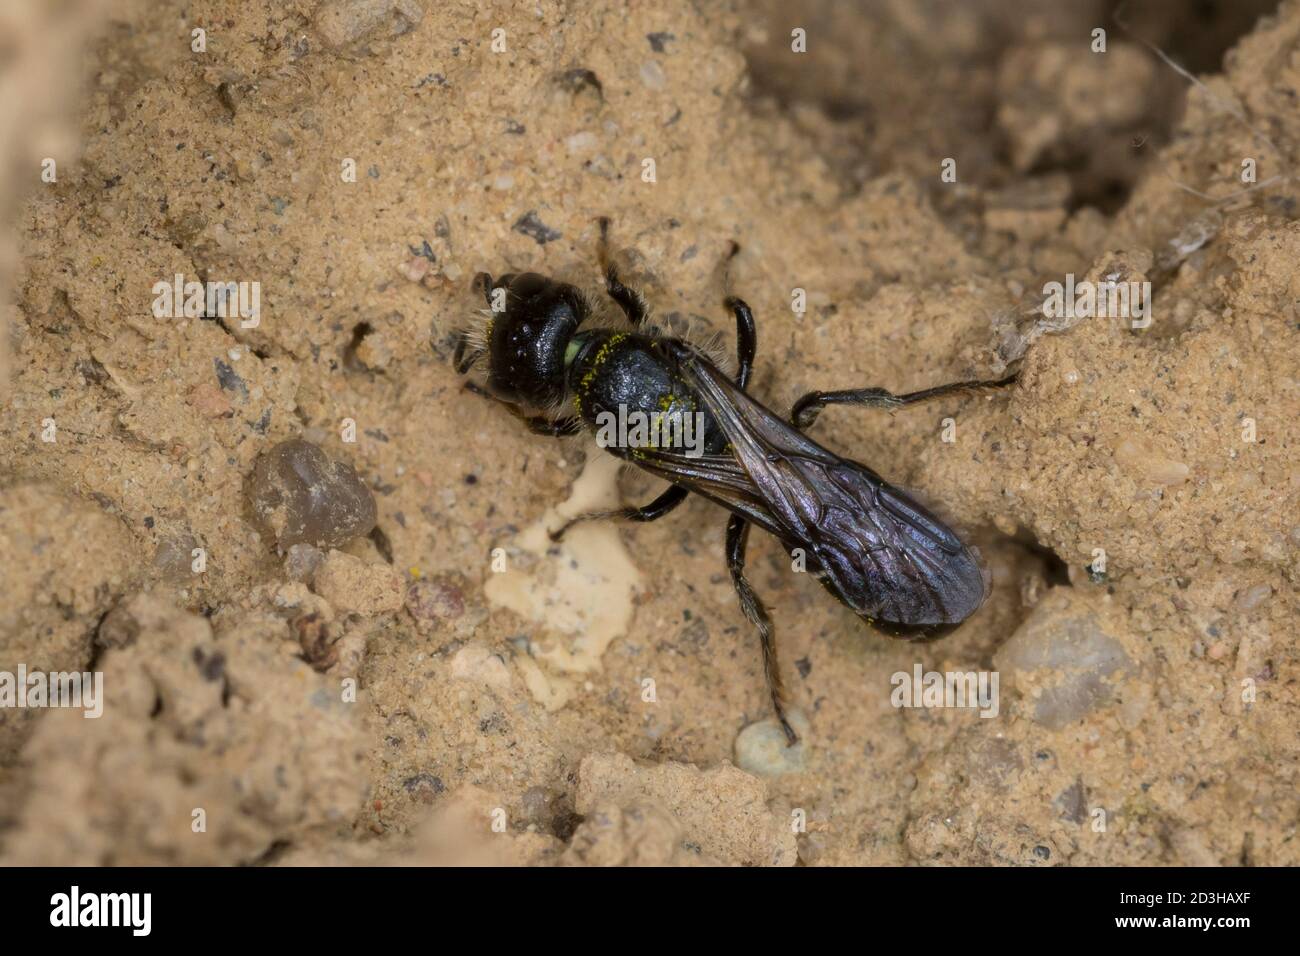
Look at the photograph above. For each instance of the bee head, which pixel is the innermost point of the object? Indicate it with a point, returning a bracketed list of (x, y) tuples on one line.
[(532, 320)]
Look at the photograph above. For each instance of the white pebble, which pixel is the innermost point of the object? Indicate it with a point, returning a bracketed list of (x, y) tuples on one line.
[(761, 748)]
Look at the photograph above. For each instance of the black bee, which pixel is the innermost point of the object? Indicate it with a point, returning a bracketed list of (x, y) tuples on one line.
[(875, 548)]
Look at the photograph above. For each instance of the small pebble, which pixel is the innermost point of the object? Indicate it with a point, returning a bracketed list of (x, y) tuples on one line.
[(209, 400), (301, 562), (761, 748), (174, 557), (303, 496), (374, 352), (316, 641), (579, 144), (652, 75), (1253, 597), (436, 602), (1063, 657), (478, 665), (414, 268)]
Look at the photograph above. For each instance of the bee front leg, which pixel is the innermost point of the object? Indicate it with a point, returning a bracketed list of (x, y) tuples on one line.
[(537, 424), (465, 356), (628, 300)]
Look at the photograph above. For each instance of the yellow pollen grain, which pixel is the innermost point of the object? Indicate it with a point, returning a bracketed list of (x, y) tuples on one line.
[(601, 355)]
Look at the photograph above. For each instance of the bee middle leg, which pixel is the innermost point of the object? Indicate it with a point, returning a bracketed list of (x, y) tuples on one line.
[(653, 511), (737, 538), (809, 406), (746, 339)]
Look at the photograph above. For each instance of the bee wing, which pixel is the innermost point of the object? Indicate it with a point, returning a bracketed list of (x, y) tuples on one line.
[(879, 550)]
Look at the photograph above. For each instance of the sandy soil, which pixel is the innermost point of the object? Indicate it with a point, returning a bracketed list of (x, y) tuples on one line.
[(297, 680)]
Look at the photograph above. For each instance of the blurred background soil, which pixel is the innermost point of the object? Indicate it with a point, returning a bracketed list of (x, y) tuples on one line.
[(391, 697)]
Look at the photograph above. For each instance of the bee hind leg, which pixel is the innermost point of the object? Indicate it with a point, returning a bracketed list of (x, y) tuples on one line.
[(806, 410), (737, 537), (738, 530)]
